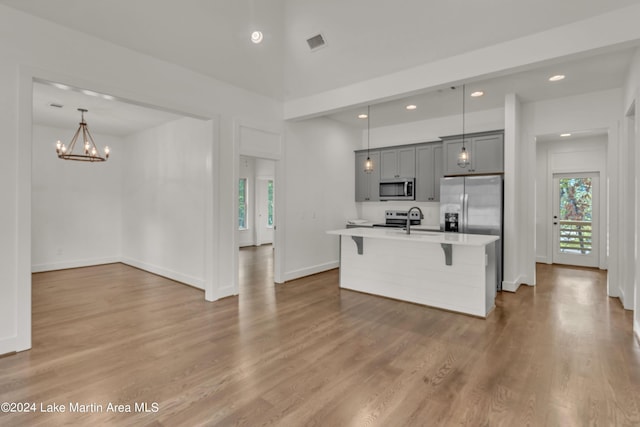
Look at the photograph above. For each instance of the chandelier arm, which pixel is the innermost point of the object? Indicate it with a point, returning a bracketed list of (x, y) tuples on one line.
[(86, 136), (72, 144), (92, 142)]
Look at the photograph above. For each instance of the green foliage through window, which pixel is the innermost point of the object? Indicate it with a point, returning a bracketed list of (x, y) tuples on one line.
[(575, 199), (576, 209)]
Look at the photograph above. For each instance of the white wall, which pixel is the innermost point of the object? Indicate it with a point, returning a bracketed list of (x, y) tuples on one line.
[(76, 206), (163, 200), (587, 154), (631, 95), (374, 211), (34, 48), (319, 185)]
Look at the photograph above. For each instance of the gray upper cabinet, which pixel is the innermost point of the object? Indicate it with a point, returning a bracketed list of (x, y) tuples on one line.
[(428, 162), (367, 183), (428, 172), (486, 154), (398, 163)]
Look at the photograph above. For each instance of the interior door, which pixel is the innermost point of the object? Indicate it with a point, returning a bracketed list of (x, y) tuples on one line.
[(264, 211), (576, 219)]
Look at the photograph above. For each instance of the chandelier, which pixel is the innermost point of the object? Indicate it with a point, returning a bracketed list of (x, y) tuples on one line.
[(89, 153)]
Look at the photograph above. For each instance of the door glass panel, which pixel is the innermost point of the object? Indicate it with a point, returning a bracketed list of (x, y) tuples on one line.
[(576, 215), (270, 204)]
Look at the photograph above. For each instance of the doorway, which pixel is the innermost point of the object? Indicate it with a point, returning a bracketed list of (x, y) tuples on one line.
[(576, 219), (256, 215)]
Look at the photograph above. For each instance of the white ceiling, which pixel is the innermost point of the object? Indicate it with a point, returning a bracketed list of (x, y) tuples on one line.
[(588, 74), (372, 38), (365, 39), (104, 116)]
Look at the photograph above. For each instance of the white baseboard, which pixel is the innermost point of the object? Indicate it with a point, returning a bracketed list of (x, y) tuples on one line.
[(38, 268), (296, 274), (196, 282), (160, 271), (8, 345), (512, 286), (227, 291)]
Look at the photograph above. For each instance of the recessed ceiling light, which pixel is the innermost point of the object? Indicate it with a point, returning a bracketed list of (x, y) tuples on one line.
[(411, 107), (90, 92), (564, 135), (61, 86), (362, 116), (477, 93), (557, 78), (257, 37), (108, 97)]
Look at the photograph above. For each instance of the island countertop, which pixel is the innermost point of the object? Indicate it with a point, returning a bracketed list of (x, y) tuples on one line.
[(454, 271), (418, 236)]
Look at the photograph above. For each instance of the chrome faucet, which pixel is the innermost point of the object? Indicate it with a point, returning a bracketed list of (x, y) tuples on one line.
[(409, 218)]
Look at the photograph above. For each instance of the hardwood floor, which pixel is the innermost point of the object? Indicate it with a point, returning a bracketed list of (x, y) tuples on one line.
[(307, 353)]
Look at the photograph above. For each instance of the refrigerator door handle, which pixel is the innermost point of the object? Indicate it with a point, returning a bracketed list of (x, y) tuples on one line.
[(465, 207)]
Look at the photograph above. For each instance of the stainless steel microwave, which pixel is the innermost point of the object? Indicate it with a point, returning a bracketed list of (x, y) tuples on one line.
[(398, 189)]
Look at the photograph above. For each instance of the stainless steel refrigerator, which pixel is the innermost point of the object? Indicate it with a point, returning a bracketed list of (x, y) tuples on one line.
[(473, 205)]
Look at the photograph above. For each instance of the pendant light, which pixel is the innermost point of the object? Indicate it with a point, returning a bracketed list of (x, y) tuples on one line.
[(89, 152), (368, 165), (463, 156)]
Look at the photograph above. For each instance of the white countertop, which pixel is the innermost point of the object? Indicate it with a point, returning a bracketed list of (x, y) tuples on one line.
[(418, 236)]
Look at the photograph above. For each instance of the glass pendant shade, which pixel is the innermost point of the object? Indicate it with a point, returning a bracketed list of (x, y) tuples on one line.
[(368, 165), (463, 157)]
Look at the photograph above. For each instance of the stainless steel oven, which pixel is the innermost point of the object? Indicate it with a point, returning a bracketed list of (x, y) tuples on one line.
[(398, 189)]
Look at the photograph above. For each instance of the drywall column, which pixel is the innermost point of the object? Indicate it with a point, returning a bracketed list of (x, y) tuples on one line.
[(514, 218), (614, 273), (8, 220)]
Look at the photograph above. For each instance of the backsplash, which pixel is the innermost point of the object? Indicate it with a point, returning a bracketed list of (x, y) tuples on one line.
[(374, 211)]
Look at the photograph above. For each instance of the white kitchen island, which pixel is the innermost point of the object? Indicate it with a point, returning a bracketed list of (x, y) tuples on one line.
[(452, 271)]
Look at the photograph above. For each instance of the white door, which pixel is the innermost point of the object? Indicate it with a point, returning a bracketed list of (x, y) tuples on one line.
[(575, 219)]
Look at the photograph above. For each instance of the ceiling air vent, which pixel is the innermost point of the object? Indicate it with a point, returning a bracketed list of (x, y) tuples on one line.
[(56, 105), (316, 42)]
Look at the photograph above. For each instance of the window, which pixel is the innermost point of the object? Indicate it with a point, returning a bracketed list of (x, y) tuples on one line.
[(242, 204), (270, 203)]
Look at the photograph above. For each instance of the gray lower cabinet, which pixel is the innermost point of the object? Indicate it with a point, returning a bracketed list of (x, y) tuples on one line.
[(486, 154), (398, 163), (367, 183), (428, 172)]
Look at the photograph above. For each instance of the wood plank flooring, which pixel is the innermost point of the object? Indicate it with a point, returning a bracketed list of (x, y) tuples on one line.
[(307, 353)]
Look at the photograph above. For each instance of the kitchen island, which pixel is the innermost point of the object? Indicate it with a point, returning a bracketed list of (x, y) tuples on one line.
[(453, 271)]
